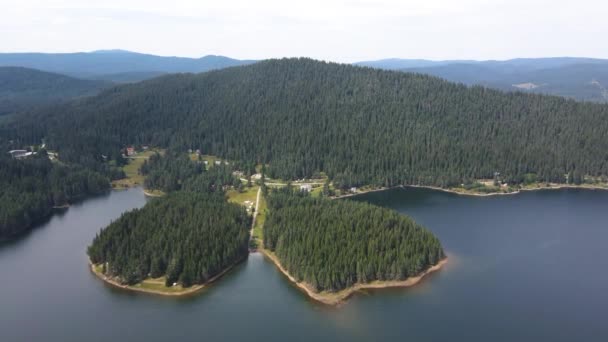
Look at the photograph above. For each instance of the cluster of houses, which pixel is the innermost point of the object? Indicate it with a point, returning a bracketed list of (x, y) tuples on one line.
[(131, 150), (249, 206)]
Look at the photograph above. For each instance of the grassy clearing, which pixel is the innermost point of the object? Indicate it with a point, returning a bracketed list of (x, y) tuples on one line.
[(158, 284), (131, 170), (151, 285), (259, 221), (249, 194)]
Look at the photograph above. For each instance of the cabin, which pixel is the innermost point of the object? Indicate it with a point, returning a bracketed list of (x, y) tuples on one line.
[(306, 188), (353, 189), (19, 154), (130, 151)]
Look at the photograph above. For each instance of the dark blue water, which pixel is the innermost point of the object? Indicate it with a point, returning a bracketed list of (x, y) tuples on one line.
[(529, 267)]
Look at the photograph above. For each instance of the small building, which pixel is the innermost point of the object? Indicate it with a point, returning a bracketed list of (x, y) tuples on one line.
[(20, 154), (217, 162), (130, 151), (306, 188), (353, 189), (145, 147), (17, 153), (256, 176)]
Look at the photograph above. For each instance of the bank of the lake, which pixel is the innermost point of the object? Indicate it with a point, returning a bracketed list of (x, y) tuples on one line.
[(153, 193), (472, 192), (157, 286), (337, 298)]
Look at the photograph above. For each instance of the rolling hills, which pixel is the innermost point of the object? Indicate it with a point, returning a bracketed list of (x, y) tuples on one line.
[(22, 88), (578, 78), (115, 65)]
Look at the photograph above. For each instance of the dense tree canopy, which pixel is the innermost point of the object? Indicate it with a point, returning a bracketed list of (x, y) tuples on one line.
[(167, 173), (334, 244), (187, 237), (175, 171), (359, 125), (30, 188)]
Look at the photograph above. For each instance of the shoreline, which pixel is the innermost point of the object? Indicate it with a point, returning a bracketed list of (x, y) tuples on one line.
[(552, 186), (365, 192), (150, 194), (187, 291), (338, 298)]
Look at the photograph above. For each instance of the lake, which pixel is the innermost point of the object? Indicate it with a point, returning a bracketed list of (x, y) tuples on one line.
[(527, 267)]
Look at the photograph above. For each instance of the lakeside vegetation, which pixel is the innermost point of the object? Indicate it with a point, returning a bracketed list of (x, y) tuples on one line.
[(31, 188), (333, 245), (187, 237), (183, 240)]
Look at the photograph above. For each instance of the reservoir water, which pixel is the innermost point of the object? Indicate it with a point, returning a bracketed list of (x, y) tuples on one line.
[(528, 267)]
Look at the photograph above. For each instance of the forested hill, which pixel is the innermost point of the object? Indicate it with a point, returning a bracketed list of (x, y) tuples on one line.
[(22, 88), (360, 125)]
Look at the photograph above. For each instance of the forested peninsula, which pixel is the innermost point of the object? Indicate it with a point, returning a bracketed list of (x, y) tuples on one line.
[(332, 248), (182, 240), (177, 243)]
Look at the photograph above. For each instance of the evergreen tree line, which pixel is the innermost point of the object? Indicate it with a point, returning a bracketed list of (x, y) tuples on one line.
[(31, 187), (334, 244), (359, 125), (175, 171), (167, 172), (187, 237)]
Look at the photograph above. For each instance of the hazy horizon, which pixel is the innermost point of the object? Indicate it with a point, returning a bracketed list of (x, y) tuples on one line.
[(279, 57), (341, 31)]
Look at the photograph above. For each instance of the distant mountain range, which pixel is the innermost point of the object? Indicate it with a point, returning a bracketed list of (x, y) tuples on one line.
[(578, 78), (116, 65), (23, 88)]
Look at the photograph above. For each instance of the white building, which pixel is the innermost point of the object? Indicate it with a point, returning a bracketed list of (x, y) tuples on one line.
[(306, 187)]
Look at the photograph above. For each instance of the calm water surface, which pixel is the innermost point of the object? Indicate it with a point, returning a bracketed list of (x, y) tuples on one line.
[(529, 267)]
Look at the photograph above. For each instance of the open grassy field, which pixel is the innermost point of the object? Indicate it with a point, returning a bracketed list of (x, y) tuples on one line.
[(132, 170), (249, 194), (259, 221), (150, 285)]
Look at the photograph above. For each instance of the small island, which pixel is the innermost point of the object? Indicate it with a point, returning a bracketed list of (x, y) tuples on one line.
[(332, 248), (175, 245)]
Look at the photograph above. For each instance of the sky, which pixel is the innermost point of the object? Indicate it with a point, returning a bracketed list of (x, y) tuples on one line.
[(341, 30)]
